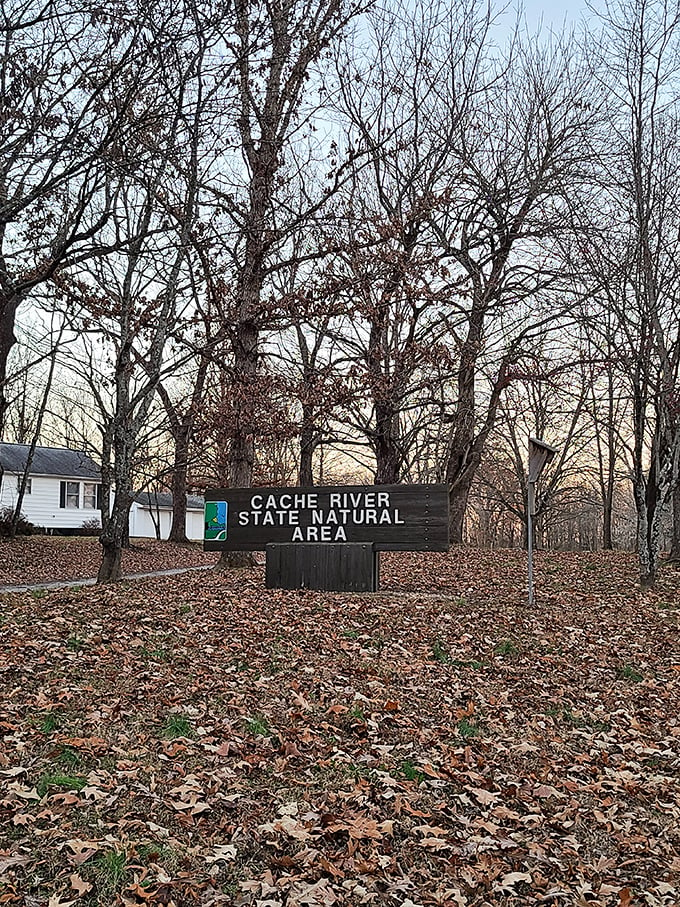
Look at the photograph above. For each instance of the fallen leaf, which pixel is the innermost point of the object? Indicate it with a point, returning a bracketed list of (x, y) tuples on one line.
[(223, 852), (79, 885)]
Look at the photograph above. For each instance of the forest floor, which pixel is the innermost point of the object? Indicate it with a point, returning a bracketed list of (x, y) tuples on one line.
[(199, 740), (42, 558)]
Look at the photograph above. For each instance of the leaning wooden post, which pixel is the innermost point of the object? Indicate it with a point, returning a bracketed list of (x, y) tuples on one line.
[(540, 454)]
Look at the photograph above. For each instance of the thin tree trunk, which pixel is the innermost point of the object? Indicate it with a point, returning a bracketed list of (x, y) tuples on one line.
[(8, 309), (647, 552), (608, 509), (178, 531), (608, 514), (307, 447), (34, 442), (675, 542)]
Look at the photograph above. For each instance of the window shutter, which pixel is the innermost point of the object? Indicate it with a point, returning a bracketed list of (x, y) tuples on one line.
[(62, 494), (99, 497)]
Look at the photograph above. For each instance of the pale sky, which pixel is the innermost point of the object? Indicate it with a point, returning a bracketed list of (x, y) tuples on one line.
[(554, 13)]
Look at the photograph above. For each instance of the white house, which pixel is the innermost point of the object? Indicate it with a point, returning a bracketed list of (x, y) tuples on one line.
[(63, 488), (63, 492)]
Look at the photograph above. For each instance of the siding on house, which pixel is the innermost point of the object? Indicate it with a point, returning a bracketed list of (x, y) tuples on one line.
[(42, 505)]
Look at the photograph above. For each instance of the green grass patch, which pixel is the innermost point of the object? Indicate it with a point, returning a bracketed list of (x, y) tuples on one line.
[(109, 873), (61, 782), (410, 772), (506, 647), (468, 729), (70, 758), (357, 713), (440, 653), (177, 726), (49, 722), (258, 726), (629, 672)]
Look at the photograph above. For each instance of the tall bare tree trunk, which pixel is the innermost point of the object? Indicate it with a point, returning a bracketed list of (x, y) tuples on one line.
[(271, 84), (675, 543), (178, 531), (9, 303), (307, 447)]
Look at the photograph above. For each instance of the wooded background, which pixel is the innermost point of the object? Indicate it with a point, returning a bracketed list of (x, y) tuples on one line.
[(329, 241)]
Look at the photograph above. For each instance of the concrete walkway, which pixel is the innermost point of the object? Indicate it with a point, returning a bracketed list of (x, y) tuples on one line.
[(90, 581)]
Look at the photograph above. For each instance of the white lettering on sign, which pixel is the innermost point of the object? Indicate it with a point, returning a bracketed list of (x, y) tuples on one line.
[(360, 508), (284, 501), (319, 534), (359, 499), (269, 518)]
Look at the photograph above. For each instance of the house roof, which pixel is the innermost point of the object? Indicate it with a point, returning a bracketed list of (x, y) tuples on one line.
[(163, 501), (49, 461)]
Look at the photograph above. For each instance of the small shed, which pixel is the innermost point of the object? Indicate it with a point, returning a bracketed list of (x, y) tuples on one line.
[(151, 516)]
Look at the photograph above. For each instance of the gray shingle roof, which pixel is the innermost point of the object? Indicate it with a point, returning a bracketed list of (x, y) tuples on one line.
[(49, 461), (163, 501)]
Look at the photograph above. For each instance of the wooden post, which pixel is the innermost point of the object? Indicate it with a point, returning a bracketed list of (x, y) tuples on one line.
[(540, 454), (336, 568)]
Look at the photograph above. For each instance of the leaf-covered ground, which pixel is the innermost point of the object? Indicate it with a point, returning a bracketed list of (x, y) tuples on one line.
[(41, 558), (200, 740)]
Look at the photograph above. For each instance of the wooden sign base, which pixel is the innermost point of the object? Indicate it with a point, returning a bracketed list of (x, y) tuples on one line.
[(344, 567)]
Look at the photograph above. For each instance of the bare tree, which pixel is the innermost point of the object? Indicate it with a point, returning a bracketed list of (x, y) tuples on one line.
[(66, 86), (266, 196), (135, 297), (183, 396), (507, 204), (631, 248), (394, 283), (473, 152), (547, 399)]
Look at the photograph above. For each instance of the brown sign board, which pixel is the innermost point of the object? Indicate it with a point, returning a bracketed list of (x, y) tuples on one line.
[(391, 517)]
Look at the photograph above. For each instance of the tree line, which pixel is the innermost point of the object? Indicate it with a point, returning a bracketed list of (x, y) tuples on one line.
[(275, 235)]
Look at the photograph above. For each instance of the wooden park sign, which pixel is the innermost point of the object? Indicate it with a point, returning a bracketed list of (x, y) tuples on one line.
[(327, 537)]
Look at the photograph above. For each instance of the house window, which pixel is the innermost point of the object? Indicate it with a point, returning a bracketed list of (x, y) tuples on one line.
[(69, 495), (89, 495), (29, 485), (73, 495)]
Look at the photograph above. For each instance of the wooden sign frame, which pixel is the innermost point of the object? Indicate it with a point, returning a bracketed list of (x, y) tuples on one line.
[(390, 517)]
